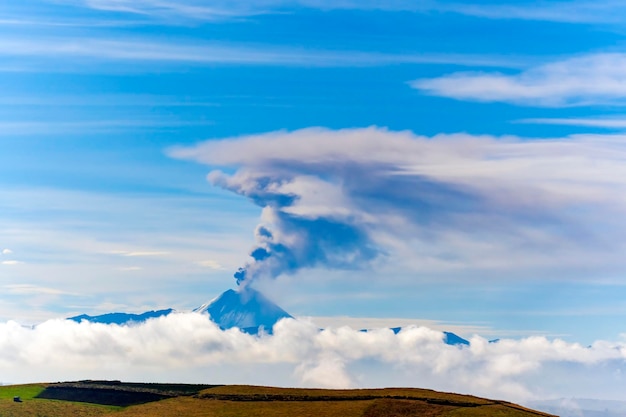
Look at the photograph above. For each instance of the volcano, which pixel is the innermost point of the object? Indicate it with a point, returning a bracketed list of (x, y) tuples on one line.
[(247, 309)]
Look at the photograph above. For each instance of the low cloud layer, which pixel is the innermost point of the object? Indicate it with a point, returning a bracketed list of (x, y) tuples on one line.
[(596, 79), (189, 347), (370, 198)]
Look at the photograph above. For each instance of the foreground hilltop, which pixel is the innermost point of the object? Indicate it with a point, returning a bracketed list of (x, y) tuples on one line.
[(98, 399)]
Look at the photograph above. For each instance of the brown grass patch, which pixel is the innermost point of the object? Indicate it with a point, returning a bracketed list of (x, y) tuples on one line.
[(48, 408), (403, 408), (394, 393), (192, 407)]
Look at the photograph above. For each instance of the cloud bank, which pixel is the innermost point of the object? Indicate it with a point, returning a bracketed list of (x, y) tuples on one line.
[(585, 80), (189, 347), (365, 198)]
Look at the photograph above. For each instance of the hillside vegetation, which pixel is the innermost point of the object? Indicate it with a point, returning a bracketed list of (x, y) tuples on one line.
[(31, 406), (174, 400)]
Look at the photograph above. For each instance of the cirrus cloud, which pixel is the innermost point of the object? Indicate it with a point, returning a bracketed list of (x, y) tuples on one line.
[(11, 262), (581, 11), (28, 289)]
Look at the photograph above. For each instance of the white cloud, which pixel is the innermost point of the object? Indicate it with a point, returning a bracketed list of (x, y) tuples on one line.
[(7, 251), (189, 347), (447, 203), (584, 80), (11, 263), (377, 322)]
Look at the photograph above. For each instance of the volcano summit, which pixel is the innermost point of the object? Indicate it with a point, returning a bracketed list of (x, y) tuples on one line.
[(246, 309)]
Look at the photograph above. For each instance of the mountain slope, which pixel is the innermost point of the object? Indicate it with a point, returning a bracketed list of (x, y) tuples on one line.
[(246, 309)]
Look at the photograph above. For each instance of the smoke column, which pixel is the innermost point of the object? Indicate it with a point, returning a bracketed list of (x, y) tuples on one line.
[(287, 240)]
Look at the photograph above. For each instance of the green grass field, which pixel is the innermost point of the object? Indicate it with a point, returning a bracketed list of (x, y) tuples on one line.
[(31, 406), (253, 401), (26, 392)]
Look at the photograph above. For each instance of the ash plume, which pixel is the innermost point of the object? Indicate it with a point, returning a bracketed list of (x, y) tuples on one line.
[(288, 241), (370, 197)]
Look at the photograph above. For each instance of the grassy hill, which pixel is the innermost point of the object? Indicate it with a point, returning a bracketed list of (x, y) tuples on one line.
[(117, 399), (31, 406)]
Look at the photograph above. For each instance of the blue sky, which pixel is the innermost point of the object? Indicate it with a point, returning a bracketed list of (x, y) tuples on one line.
[(474, 149)]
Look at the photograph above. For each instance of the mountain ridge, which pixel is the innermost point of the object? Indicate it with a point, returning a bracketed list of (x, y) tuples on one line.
[(246, 309), (122, 318)]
